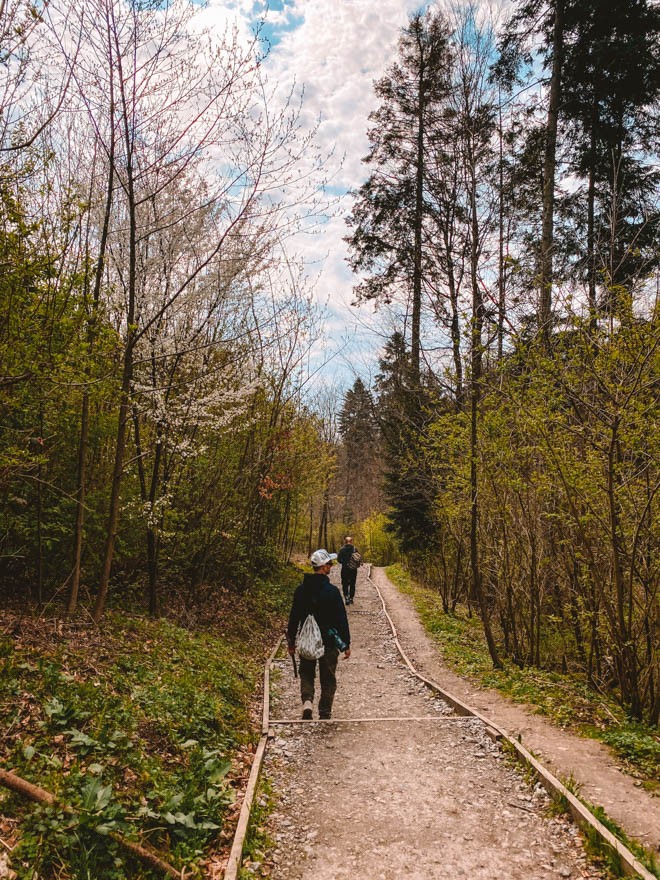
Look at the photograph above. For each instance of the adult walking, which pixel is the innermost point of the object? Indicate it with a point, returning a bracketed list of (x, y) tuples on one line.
[(317, 596), (350, 561)]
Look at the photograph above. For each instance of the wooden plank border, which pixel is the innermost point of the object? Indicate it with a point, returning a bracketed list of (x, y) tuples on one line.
[(384, 720), (236, 852), (582, 816)]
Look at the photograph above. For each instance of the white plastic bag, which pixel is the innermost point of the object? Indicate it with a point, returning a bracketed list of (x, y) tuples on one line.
[(309, 642)]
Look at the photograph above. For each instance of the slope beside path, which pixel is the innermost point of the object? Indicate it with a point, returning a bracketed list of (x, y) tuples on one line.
[(396, 784), (565, 754)]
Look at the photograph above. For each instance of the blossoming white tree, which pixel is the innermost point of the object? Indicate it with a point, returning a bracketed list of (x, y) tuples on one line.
[(192, 169)]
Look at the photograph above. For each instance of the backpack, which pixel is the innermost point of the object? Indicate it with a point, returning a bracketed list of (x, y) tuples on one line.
[(309, 642), (355, 561)]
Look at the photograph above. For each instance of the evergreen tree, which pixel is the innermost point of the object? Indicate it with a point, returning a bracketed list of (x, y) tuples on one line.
[(409, 489), (389, 213), (602, 95), (611, 91), (533, 19), (361, 454)]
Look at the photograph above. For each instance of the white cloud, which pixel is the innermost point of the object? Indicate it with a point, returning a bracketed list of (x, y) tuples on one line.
[(330, 53), (335, 53)]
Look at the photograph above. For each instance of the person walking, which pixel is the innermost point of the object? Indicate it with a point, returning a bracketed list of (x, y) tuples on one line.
[(317, 596), (350, 562)]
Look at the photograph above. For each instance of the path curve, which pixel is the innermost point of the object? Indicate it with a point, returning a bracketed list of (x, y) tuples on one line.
[(427, 795), (564, 753)]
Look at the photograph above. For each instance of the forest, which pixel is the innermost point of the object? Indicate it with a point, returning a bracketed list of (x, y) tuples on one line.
[(169, 446), (162, 439)]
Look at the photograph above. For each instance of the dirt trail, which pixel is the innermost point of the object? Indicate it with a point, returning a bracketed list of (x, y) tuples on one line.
[(565, 754), (427, 795)]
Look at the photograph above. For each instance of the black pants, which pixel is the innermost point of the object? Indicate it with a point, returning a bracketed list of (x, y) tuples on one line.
[(348, 578), (327, 674)]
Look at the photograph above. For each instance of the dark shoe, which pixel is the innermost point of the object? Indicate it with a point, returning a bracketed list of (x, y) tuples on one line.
[(307, 711), (324, 717)]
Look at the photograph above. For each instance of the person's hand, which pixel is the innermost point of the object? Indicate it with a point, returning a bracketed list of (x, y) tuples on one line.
[(347, 653)]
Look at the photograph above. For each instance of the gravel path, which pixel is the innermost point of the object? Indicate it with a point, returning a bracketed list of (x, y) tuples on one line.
[(427, 794)]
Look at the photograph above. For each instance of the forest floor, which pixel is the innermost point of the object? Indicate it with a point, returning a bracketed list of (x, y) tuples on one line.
[(396, 783)]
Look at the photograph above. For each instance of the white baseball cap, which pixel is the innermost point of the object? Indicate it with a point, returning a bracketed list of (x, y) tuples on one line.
[(322, 557)]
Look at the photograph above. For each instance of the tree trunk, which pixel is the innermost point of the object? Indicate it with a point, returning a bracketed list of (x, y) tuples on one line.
[(591, 224), (456, 590), (153, 534), (629, 677), (455, 326), (476, 356), (81, 493), (117, 473), (501, 280), (81, 496), (415, 346), (575, 614), (311, 528), (549, 164), (40, 550), (323, 524), (127, 370)]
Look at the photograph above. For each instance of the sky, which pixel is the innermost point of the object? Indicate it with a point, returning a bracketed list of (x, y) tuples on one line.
[(333, 50)]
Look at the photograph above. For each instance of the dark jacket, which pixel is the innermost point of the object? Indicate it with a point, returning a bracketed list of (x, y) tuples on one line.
[(317, 596), (345, 553)]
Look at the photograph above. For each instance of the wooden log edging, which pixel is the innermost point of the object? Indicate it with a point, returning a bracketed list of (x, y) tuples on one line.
[(582, 816), (385, 719), (236, 853), (34, 793)]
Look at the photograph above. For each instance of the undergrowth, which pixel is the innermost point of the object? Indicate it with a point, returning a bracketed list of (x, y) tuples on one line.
[(602, 850), (137, 728), (567, 701)]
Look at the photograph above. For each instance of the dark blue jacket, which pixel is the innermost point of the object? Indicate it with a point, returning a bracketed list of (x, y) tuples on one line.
[(317, 596)]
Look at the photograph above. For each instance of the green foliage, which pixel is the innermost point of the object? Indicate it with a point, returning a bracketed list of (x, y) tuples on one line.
[(374, 535), (357, 482), (609, 856), (637, 746), (405, 411), (567, 462), (257, 840)]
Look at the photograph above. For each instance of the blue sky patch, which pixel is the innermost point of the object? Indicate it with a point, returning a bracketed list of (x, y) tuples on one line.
[(275, 19)]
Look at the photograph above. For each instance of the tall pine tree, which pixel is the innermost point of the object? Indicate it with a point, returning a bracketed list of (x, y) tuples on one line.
[(361, 470), (388, 217), (611, 91)]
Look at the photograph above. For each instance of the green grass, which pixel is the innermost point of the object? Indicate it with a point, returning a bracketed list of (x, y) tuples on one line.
[(565, 699), (600, 849), (135, 727)]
